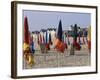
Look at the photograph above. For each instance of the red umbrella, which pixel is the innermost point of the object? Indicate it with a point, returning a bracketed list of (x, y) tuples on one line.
[(27, 51), (26, 31)]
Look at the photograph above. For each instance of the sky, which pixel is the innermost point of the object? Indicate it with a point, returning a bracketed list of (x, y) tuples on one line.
[(38, 20)]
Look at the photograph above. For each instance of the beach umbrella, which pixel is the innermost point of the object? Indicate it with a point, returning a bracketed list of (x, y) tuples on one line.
[(26, 31), (75, 34), (79, 39), (26, 35), (46, 37), (89, 38), (65, 37), (38, 38), (79, 35), (26, 46), (47, 45), (59, 34), (32, 44), (83, 38), (68, 38), (50, 42), (43, 40), (32, 47), (59, 44)]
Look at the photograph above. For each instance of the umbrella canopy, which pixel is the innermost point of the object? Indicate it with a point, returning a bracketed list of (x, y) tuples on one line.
[(26, 31), (27, 50), (50, 38), (75, 32), (59, 33), (46, 37), (89, 38), (59, 43)]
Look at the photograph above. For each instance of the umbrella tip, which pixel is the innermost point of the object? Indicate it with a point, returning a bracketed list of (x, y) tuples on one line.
[(25, 17), (60, 20)]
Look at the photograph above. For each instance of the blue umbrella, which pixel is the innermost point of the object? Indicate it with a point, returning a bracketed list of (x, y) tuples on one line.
[(46, 37), (59, 34), (32, 44), (50, 39), (32, 47)]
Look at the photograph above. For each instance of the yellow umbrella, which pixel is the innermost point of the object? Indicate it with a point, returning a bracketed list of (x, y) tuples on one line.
[(89, 38)]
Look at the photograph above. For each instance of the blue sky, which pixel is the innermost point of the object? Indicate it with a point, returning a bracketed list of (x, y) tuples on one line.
[(48, 19)]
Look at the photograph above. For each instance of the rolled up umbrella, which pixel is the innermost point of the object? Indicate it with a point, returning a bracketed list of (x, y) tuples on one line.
[(26, 31), (59, 44), (27, 51), (89, 38), (59, 34)]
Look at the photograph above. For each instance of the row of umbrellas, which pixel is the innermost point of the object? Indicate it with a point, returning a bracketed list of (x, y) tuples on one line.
[(59, 43)]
